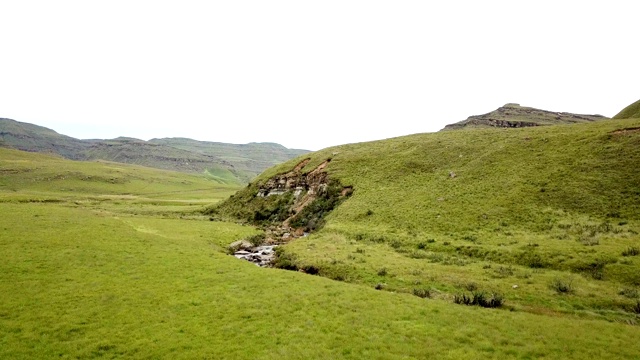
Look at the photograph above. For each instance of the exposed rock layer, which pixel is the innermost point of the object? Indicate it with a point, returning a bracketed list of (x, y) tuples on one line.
[(516, 116)]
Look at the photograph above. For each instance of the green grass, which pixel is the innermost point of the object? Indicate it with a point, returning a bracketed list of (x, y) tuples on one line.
[(78, 284), (630, 112), (113, 268), (226, 163), (526, 206)]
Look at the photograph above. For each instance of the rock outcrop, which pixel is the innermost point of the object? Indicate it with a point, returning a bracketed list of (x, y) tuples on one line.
[(516, 116), (289, 205)]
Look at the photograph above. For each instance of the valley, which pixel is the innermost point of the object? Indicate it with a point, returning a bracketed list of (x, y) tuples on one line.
[(470, 243)]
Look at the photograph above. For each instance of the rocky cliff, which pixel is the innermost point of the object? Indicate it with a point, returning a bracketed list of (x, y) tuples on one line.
[(287, 205)]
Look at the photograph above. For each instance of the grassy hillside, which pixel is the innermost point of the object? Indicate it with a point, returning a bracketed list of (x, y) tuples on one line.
[(39, 178), (29, 137), (630, 112), (546, 217), (516, 116), (134, 151), (228, 163), (110, 260), (248, 159)]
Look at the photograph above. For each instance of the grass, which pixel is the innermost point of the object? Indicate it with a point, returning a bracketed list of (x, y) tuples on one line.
[(106, 260), (78, 284), (526, 206), (630, 112)]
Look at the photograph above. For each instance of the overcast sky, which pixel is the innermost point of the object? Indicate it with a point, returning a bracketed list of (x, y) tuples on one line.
[(307, 74)]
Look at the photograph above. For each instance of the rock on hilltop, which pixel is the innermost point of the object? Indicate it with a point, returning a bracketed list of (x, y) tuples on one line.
[(516, 116)]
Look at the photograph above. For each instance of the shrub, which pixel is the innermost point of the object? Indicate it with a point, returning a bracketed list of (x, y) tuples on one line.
[(503, 272), (312, 216), (310, 269), (561, 286), (595, 268), (382, 272), (379, 286), (471, 238), (257, 239), (471, 286), (284, 260), (479, 298), (531, 259), (635, 308), (632, 251), (630, 293), (462, 299), (422, 293)]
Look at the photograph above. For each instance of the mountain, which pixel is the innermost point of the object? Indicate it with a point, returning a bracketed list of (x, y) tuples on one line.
[(226, 163), (515, 116), (34, 138), (250, 159), (544, 218)]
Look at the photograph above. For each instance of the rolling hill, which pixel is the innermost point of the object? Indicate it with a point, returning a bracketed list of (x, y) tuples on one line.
[(546, 218), (224, 162), (250, 159), (111, 260), (630, 112), (515, 116)]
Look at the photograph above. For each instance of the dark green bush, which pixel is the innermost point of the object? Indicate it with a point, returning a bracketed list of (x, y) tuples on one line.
[(284, 260), (631, 251), (561, 286), (312, 216), (422, 293), (257, 239), (479, 298)]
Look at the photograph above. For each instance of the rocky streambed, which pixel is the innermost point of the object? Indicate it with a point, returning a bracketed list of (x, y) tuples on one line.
[(262, 256)]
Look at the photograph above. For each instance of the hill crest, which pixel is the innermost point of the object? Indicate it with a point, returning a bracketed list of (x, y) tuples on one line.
[(513, 115), (227, 163)]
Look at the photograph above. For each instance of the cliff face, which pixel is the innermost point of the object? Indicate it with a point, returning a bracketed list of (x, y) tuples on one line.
[(287, 205), (516, 116)]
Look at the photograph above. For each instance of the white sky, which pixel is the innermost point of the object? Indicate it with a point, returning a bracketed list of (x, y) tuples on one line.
[(307, 74)]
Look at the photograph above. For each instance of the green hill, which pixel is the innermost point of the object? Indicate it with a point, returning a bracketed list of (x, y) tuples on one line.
[(29, 137), (547, 217), (224, 162), (515, 116), (34, 177), (247, 159), (110, 260), (630, 112)]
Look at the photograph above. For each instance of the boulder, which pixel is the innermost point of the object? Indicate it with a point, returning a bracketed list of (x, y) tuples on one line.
[(240, 245)]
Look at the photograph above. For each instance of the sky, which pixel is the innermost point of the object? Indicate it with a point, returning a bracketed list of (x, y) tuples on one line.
[(307, 74)]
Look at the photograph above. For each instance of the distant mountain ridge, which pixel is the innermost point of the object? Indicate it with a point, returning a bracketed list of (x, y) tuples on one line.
[(515, 116), (226, 163)]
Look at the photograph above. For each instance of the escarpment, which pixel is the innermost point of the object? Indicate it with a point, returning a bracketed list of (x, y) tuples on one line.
[(287, 205)]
